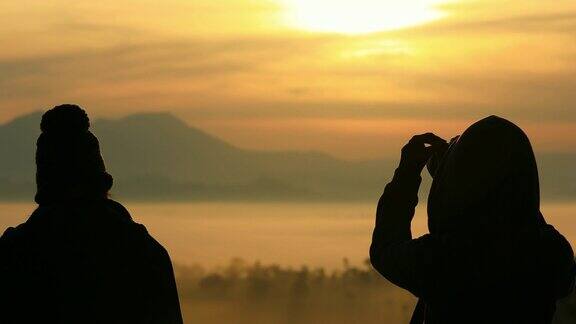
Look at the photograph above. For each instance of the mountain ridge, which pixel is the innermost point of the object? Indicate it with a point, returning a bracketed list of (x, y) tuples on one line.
[(158, 156)]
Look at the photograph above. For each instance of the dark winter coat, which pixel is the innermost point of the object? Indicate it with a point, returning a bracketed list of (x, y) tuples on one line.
[(85, 262), (490, 257)]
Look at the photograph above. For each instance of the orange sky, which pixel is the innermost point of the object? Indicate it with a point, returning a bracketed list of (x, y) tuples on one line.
[(352, 78)]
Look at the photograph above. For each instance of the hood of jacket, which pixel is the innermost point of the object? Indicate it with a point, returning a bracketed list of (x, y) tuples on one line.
[(486, 191), (487, 181)]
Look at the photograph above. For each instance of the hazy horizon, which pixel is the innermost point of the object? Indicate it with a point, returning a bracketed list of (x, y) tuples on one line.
[(159, 157)]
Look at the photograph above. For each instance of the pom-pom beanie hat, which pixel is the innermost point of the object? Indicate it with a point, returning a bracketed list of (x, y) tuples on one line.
[(69, 165)]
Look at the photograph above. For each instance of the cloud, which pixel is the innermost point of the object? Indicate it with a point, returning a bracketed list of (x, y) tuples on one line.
[(172, 66), (466, 17), (563, 22), (219, 60), (290, 75)]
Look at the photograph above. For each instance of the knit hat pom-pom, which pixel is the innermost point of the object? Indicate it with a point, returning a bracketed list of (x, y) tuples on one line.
[(65, 119)]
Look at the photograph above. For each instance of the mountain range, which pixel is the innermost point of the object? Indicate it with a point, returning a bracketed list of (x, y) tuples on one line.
[(159, 157)]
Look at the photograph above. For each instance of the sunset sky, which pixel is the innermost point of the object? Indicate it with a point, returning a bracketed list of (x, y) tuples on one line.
[(353, 78)]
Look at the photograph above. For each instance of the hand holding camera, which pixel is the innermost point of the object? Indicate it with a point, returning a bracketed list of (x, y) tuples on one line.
[(419, 150)]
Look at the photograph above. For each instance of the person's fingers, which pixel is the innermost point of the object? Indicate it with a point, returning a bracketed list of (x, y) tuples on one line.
[(428, 138), (433, 139), (417, 139), (424, 138), (428, 151)]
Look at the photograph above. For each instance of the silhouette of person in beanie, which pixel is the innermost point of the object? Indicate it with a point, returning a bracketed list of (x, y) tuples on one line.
[(80, 258), (490, 256)]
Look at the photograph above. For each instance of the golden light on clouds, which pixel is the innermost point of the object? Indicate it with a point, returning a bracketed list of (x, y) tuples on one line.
[(244, 68), (360, 16)]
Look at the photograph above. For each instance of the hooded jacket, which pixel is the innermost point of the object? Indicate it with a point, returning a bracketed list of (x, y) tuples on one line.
[(489, 256), (85, 261)]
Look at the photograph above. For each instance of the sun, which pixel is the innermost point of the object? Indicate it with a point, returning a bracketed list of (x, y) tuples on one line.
[(360, 16)]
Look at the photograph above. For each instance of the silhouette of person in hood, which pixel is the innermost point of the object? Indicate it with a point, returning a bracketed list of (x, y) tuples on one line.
[(80, 258), (489, 256)]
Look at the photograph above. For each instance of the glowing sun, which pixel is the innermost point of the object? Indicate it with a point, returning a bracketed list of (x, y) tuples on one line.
[(360, 16)]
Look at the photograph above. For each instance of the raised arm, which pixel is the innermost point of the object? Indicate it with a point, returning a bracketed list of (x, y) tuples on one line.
[(402, 260)]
